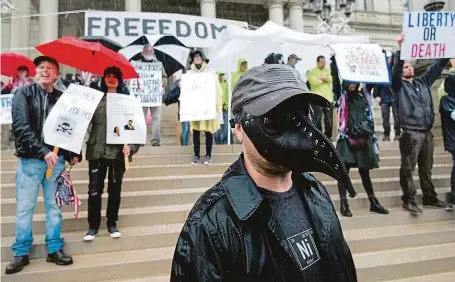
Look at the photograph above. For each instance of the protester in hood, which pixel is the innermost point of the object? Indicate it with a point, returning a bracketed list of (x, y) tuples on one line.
[(221, 136), (253, 224), (22, 78), (148, 56), (274, 58), (447, 111), (105, 159), (416, 113), (31, 105), (199, 65), (320, 79), (242, 67), (441, 91), (293, 59), (383, 95), (357, 141)]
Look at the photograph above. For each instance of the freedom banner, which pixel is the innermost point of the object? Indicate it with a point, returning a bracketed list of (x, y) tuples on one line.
[(5, 114), (125, 120), (428, 35), (125, 27), (67, 123), (361, 62), (148, 88), (198, 97)]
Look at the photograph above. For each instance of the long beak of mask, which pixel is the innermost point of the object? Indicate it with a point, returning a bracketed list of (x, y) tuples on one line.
[(289, 139)]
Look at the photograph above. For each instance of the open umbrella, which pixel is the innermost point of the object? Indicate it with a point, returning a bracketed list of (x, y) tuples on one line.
[(168, 50), (87, 56), (11, 61), (114, 46)]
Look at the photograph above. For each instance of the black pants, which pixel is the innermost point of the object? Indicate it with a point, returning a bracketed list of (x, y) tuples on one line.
[(385, 110), (328, 119), (197, 143), (97, 173), (366, 181), (416, 147)]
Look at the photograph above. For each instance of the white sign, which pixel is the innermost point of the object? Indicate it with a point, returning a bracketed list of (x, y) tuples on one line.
[(125, 27), (361, 62), (125, 120), (148, 88), (198, 97), (5, 114), (428, 35), (67, 123)]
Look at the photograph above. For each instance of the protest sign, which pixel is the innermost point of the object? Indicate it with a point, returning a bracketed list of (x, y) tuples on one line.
[(125, 27), (67, 123), (148, 88), (5, 114), (198, 97), (428, 35), (361, 62), (125, 120)]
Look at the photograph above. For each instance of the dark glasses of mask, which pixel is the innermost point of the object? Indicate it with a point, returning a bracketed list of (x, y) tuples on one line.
[(276, 122)]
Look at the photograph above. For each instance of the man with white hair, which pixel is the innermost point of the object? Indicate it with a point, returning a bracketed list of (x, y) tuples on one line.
[(148, 55)]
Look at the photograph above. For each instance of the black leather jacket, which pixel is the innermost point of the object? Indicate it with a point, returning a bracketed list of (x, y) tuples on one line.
[(31, 105), (230, 235)]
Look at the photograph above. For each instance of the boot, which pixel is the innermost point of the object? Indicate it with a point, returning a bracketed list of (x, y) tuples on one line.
[(17, 264), (376, 207), (412, 208), (60, 258), (344, 209)]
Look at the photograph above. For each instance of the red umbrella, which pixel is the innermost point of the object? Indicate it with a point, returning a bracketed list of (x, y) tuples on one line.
[(11, 61), (87, 56)]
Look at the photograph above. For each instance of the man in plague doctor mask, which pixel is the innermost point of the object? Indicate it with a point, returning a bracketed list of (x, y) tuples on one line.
[(268, 219)]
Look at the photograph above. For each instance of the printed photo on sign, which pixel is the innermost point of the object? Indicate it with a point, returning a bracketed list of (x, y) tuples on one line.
[(361, 62), (148, 88), (304, 249), (428, 35), (5, 114), (198, 97), (67, 123), (125, 120)]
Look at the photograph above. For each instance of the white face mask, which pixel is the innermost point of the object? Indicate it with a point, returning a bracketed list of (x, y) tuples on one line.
[(148, 57)]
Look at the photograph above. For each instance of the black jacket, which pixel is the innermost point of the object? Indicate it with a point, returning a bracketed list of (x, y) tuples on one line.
[(30, 107), (446, 107), (230, 235), (414, 101)]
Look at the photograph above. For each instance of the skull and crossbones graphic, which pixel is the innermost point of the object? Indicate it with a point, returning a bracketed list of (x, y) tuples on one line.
[(65, 127)]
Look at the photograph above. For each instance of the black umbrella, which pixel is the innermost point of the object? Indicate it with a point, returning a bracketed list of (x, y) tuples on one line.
[(114, 46), (168, 50)]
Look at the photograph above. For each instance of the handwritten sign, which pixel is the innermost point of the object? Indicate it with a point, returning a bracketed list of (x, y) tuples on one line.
[(198, 97), (67, 123), (149, 87), (361, 62), (5, 114), (125, 120), (428, 35)]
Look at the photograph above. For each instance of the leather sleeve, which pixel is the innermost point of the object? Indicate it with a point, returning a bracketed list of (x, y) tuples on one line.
[(397, 72), (196, 256), (24, 134), (434, 71)]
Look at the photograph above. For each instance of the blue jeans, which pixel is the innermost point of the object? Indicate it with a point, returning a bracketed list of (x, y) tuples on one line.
[(30, 175), (221, 136), (185, 134)]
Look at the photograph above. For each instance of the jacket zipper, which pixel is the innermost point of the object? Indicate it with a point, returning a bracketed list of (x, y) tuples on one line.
[(44, 117)]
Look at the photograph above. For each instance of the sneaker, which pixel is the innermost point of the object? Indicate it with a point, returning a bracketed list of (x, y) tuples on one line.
[(208, 160), (386, 138), (90, 235), (155, 143), (412, 208), (113, 232), (433, 203), (195, 161)]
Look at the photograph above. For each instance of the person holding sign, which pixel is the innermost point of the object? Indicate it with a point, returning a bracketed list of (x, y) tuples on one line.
[(416, 114), (105, 159), (31, 105)]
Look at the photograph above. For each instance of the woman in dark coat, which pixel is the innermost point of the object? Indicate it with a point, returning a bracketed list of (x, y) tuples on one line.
[(357, 142)]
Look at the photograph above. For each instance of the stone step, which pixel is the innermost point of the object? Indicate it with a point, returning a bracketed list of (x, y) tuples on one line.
[(438, 277), (143, 279)]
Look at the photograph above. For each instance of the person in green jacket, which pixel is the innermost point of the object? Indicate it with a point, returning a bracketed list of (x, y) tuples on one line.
[(242, 67), (441, 91), (320, 79), (222, 134)]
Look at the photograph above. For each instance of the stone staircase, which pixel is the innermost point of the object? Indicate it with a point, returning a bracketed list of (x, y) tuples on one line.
[(161, 187)]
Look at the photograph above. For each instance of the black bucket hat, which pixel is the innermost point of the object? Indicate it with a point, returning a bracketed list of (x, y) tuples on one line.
[(201, 53)]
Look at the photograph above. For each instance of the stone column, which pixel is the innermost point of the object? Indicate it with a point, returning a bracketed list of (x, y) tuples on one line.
[(20, 27), (296, 15), (133, 5), (48, 24), (208, 8), (275, 11)]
